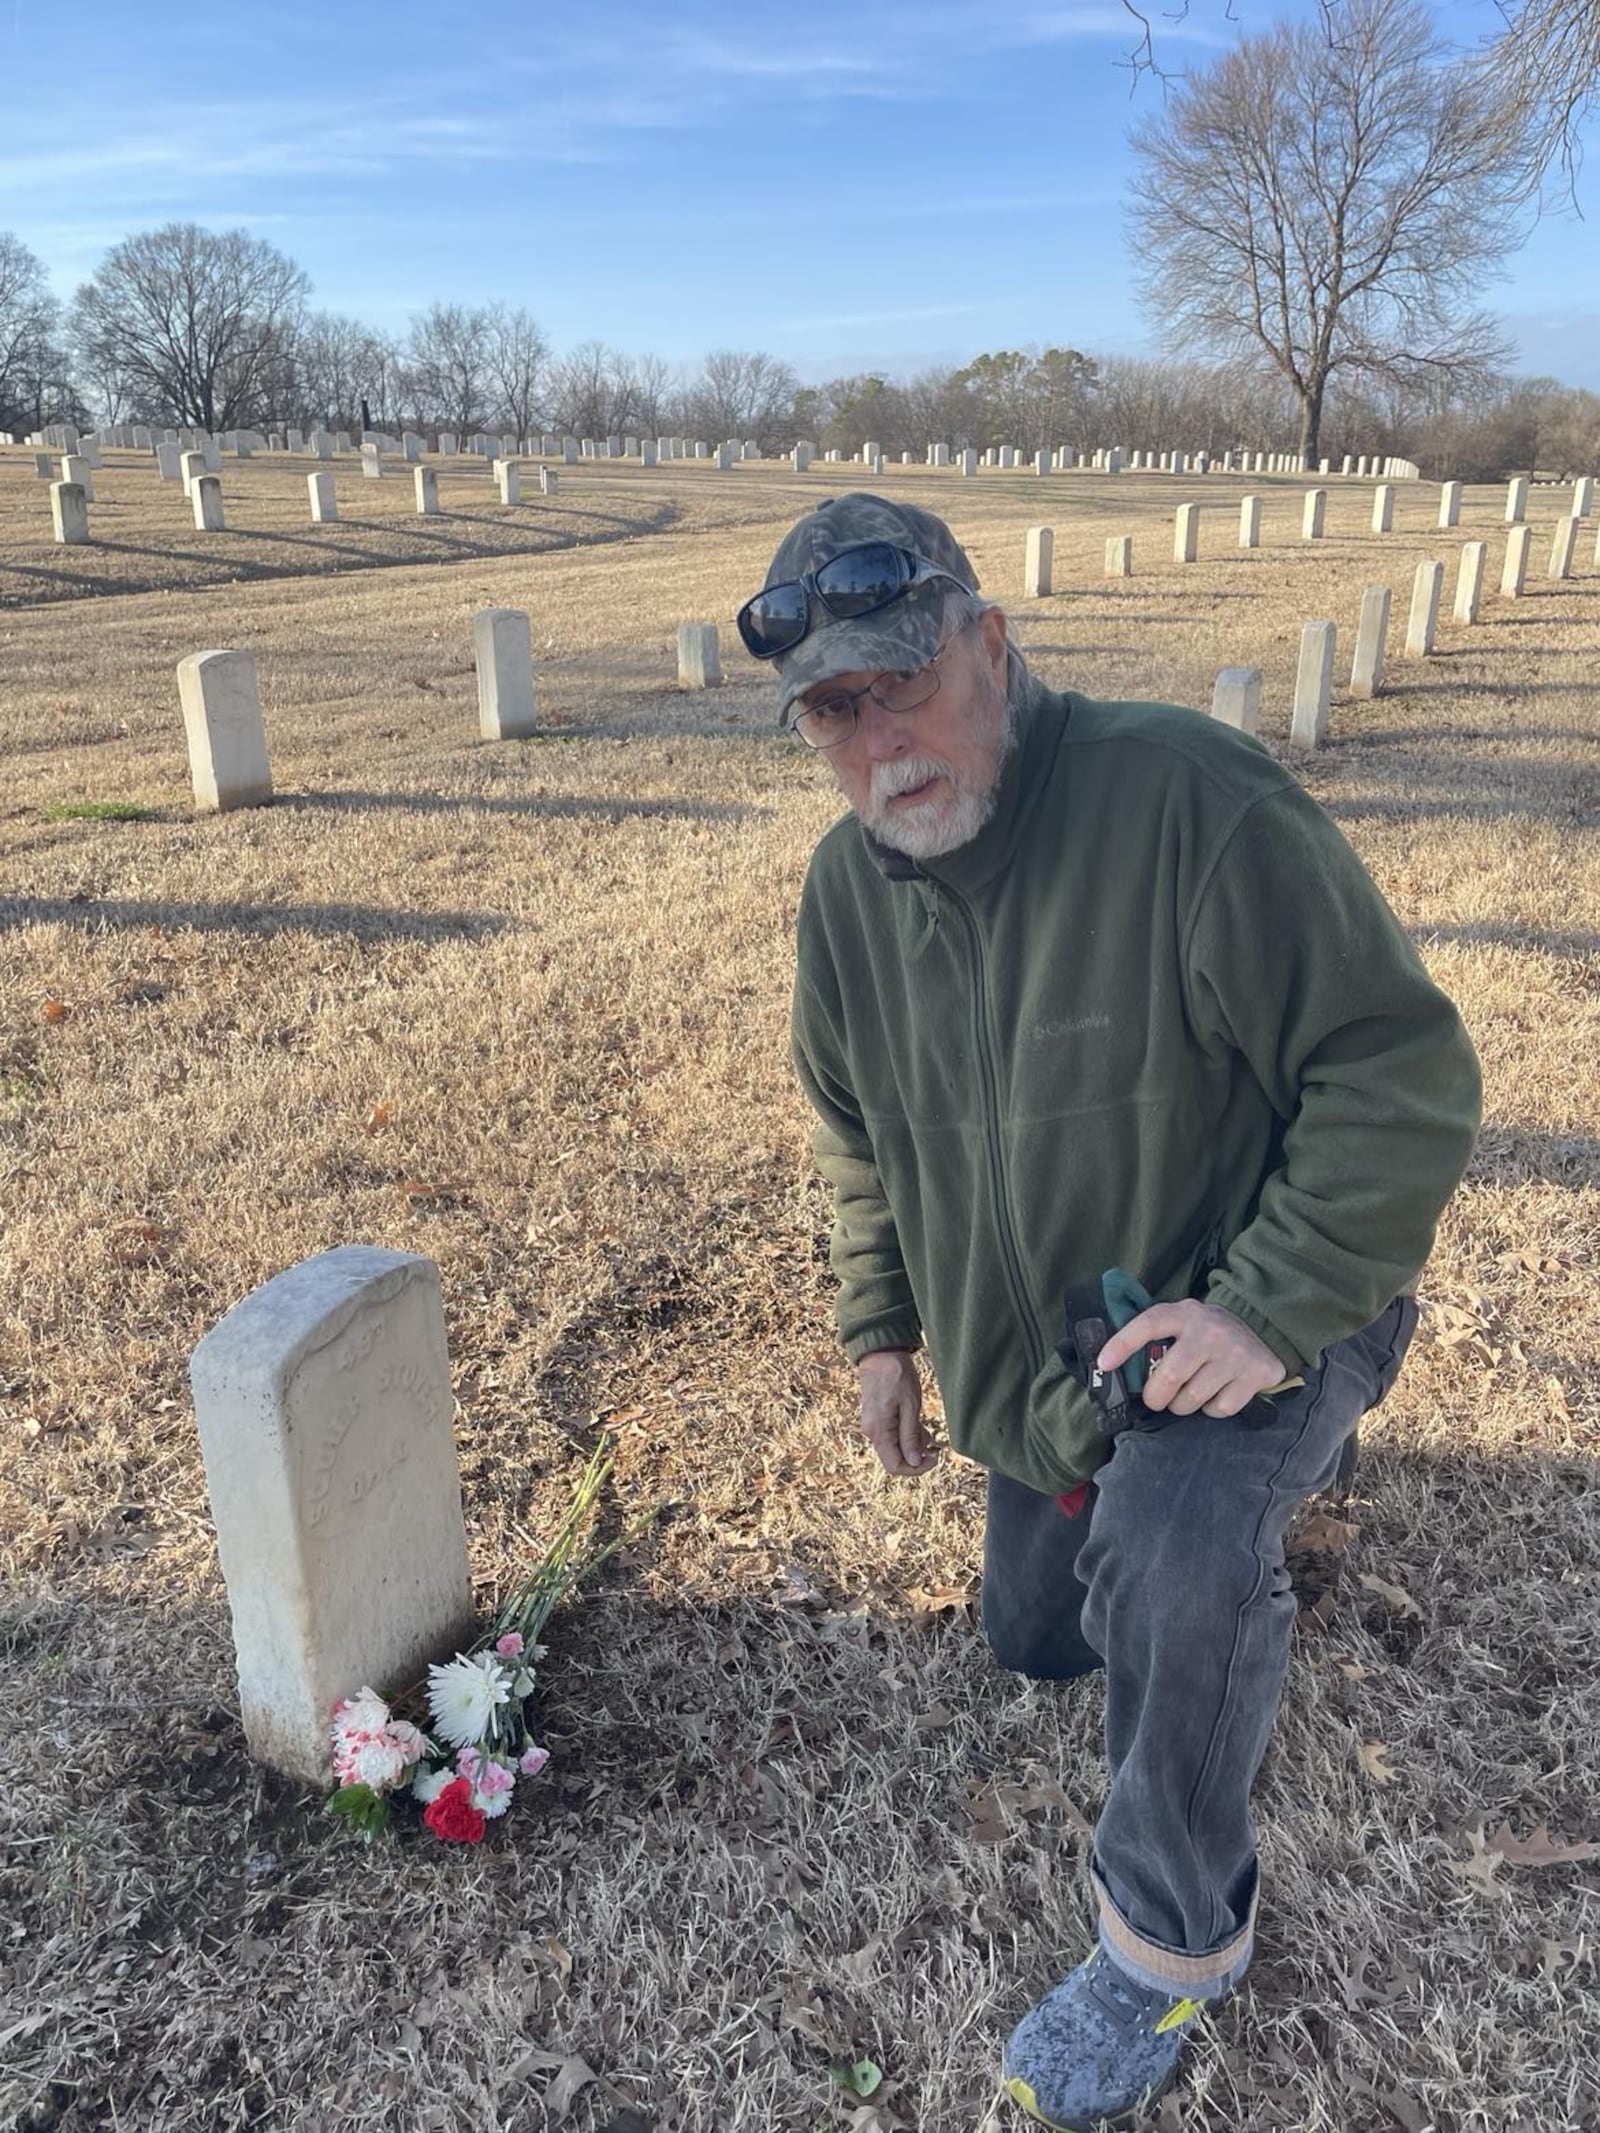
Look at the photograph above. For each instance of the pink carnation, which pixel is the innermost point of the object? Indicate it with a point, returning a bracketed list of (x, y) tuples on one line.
[(492, 1788), (533, 1760), (509, 1645)]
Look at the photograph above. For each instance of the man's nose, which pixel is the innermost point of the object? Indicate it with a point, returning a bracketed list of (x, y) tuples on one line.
[(884, 731)]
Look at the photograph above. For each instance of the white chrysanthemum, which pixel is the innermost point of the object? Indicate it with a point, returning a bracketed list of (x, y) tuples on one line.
[(427, 1785), (464, 1696), (380, 1762), (365, 1712)]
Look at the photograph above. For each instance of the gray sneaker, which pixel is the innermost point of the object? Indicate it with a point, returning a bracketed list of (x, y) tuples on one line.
[(1096, 2048)]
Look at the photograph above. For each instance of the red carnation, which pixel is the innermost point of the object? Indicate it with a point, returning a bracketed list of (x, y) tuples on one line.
[(452, 1815)]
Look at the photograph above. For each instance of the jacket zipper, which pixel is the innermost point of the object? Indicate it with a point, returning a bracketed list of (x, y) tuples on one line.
[(1010, 1256)]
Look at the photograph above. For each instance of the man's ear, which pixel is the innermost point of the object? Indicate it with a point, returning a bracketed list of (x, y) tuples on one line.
[(992, 632)]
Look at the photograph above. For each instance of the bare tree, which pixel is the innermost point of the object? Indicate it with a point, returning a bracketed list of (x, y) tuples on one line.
[(196, 322), (742, 392), (1328, 198), (32, 362), (338, 363), (596, 391), (448, 366), (517, 353)]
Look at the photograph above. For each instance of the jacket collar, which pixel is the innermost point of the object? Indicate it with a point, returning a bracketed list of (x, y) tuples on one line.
[(1040, 724)]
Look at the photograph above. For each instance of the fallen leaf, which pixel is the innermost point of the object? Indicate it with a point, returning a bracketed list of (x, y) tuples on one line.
[(1394, 1597), (559, 1956), (1375, 1761), (1552, 1955), (1538, 1848), (857, 2077), (936, 1600), (54, 1010), (376, 1118), (414, 1189), (572, 2076), (1352, 1669), (936, 1720), (1323, 1533)]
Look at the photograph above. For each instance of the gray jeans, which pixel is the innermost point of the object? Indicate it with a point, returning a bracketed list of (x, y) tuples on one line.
[(1172, 1577)]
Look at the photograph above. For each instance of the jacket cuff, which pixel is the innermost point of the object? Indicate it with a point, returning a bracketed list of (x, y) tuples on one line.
[(894, 1333), (1221, 1292)]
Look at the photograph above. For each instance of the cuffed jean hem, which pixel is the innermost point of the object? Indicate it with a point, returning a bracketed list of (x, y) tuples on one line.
[(1206, 1976)]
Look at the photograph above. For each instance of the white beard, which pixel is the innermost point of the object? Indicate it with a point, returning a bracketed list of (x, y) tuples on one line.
[(952, 814)]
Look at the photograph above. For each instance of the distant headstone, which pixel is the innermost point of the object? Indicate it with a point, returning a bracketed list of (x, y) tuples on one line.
[(44, 466), (324, 503), (1517, 500), (508, 480), (412, 447), (648, 453), (69, 513), (1424, 620), (1469, 580), (969, 464), (371, 463), (324, 1407), (725, 457), (1036, 562), (75, 468), (800, 458), (1313, 515), (1041, 462), (1561, 548), (321, 444), (547, 481), (1514, 575), (447, 444), (1366, 672), (205, 493), (167, 462), (941, 455), (1236, 698), (699, 656), (294, 441), (1383, 508), (1249, 528), (502, 650), (1583, 496), (569, 451), (425, 486), (227, 739), (1312, 684), (1119, 556), (1450, 504), (1186, 533)]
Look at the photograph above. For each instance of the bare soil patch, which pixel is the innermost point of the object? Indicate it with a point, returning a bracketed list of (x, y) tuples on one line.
[(794, 1811)]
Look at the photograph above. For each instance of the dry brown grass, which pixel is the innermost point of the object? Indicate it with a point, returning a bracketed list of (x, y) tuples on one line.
[(563, 966)]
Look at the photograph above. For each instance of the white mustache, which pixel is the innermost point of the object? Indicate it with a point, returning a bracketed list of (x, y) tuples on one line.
[(904, 774)]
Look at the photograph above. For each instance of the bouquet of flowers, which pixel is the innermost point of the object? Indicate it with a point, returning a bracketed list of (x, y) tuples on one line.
[(465, 1768)]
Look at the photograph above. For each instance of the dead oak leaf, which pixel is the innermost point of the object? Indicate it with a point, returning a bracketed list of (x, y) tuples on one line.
[(1394, 1597), (1375, 1762), (1538, 1848), (1320, 1533)]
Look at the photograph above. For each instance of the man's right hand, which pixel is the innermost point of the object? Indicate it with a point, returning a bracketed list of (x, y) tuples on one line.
[(891, 1411)]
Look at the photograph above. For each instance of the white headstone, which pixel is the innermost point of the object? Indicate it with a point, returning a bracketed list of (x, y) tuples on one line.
[(547, 481), (321, 444), (1583, 496), (205, 493), (324, 503), (1469, 580), (1561, 547), (447, 444), (1450, 504), (648, 453), (1312, 683), (44, 466), (569, 451), (1514, 575), (941, 455), (425, 482), (167, 462), (371, 463), (1036, 562), (411, 446), (1119, 556), (1186, 533), (1366, 672), (502, 650), (1383, 508), (1249, 533), (508, 480), (324, 1407), (294, 440), (227, 739), (1424, 619), (969, 464), (1517, 500), (75, 468), (801, 458), (69, 512), (1236, 698), (699, 656), (1313, 514)]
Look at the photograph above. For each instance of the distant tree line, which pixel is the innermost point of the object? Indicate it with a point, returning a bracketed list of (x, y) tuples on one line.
[(184, 325)]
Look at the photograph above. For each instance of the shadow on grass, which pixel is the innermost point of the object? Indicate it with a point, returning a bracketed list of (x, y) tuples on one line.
[(428, 803), (362, 921), (1539, 938)]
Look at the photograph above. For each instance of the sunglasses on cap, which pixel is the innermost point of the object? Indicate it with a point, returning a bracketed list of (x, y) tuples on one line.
[(857, 581)]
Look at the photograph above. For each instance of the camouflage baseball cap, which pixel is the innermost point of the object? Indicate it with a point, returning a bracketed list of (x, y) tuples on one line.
[(894, 639)]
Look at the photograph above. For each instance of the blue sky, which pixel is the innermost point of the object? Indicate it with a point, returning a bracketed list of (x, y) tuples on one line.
[(848, 186)]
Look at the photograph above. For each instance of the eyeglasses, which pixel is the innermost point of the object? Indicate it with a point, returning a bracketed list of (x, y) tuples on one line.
[(831, 723), (856, 581)]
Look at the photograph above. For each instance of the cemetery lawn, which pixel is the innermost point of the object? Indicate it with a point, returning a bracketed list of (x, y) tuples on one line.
[(523, 1007)]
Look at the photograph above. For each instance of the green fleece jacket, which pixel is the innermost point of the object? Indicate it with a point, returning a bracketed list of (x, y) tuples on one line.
[(1155, 1015)]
